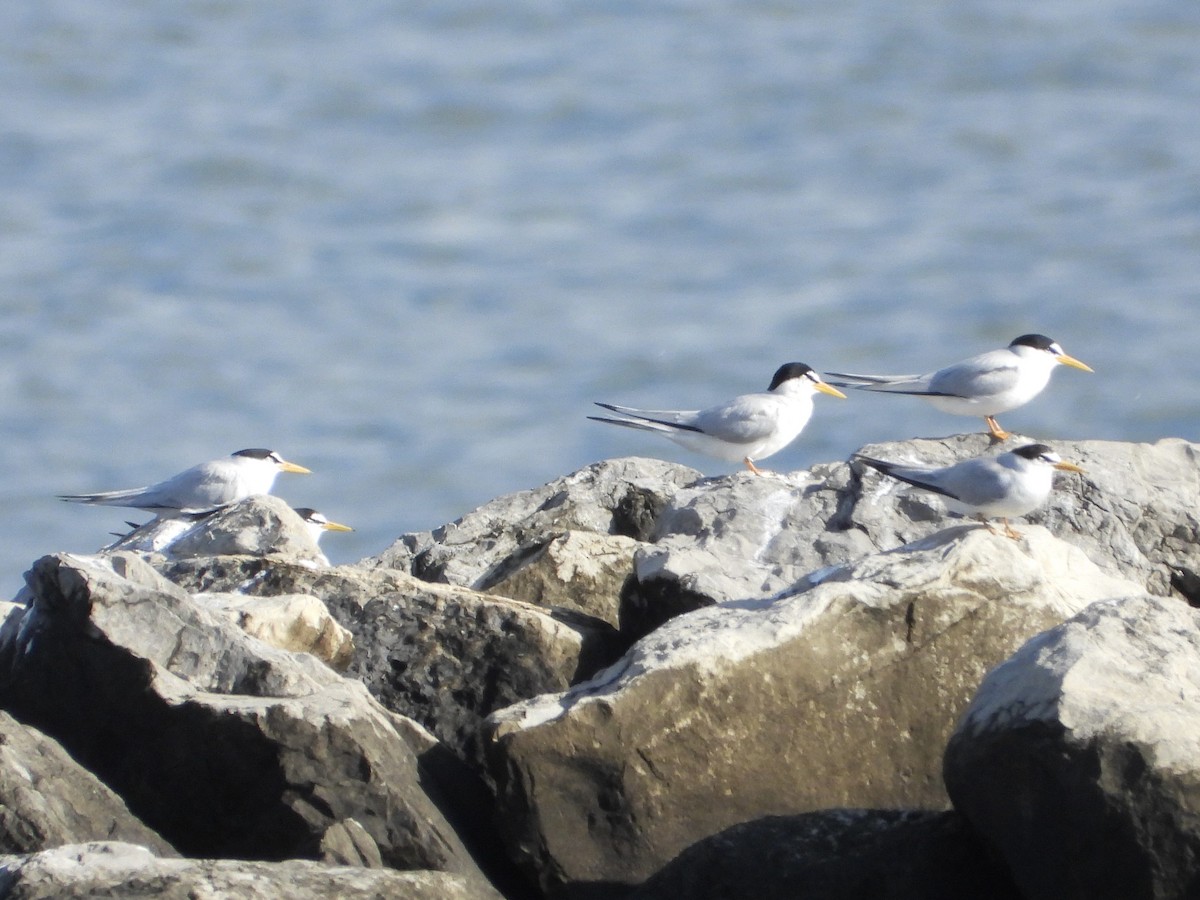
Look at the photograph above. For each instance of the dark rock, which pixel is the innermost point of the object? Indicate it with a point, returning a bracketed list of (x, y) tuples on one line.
[(222, 744), (443, 655), (836, 855), (48, 799)]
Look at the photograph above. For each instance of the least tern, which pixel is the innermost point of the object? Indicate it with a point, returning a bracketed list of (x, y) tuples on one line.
[(1010, 484), (317, 524), (746, 428), (984, 385), (203, 488)]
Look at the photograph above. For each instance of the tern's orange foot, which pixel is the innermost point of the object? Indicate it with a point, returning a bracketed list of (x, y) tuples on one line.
[(1009, 531), (751, 466), (994, 429)]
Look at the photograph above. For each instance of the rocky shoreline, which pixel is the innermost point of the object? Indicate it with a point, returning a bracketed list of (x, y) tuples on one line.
[(631, 682)]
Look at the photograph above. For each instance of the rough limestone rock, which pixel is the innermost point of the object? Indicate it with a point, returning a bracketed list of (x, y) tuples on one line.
[(224, 745), (836, 855), (617, 496), (297, 622), (111, 869), (577, 570), (1079, 758), (48, 799), (840, 695), (443, 655), (257, 526), (708, 540), (742, 536), (705, 541)]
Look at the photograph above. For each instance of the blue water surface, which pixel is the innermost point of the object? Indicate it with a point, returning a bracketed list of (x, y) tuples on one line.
[(407, 244)]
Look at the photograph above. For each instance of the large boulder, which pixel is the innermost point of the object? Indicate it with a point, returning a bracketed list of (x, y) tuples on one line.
[(1079, 758), (1134, 512), (841, 694), (446, 656), (569, 543), (700, 541), (114, 869), (257, 526), (47, 799), (224, 745), (578, 570), (842, 854)]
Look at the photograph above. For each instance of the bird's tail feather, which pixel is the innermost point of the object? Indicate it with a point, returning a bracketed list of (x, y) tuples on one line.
[(907, 474)]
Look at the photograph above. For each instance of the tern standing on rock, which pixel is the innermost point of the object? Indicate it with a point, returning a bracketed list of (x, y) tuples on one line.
[(746, 428), (1011, 484), (984, 385), (203, 488)]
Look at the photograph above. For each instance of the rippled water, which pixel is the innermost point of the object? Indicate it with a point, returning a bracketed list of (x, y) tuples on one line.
[(408, 244)]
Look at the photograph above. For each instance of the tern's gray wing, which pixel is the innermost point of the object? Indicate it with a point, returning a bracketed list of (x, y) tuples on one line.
[(200, 488), (980, 376), (976, 482), (743, 420)]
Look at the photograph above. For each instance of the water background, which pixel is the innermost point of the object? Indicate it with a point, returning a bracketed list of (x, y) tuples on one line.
[(407, 244)]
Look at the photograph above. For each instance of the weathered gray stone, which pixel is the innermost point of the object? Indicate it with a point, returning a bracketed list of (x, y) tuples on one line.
[(703, 541), (48, 799), (617, 496), (836, 855), (257, 526), (222, 744), (443, 655), (1079, 758), (297, 622), (839, 696), (109, 869), (577, 570)]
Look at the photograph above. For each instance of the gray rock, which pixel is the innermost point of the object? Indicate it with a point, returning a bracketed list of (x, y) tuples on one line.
[(257, 526), (740, 536), (840, 696), (224, 745), (836, 855), (576, 570), (443, 655), (617, 496), (1079, 758), (48, 799), (110, 869)]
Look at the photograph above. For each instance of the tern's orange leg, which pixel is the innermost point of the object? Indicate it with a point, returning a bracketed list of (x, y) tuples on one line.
[(751, 466), (1009, 531), (994, 429)]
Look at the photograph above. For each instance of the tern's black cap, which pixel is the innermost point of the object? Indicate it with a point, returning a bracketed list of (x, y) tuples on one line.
[(1036, 341), (788, 371), (1033, 451)]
